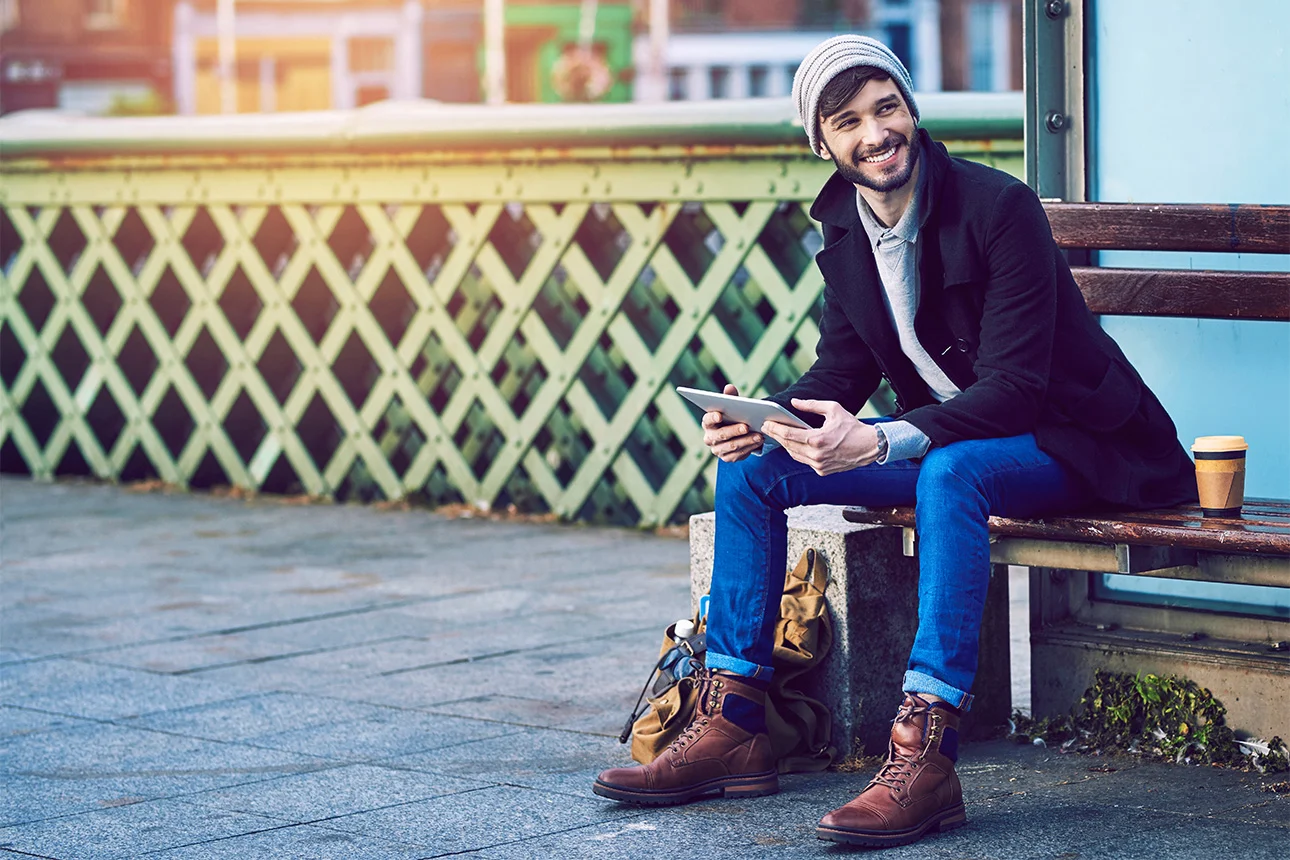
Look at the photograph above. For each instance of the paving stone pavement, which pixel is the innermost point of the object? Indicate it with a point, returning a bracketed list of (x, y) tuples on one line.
[(185, 676)]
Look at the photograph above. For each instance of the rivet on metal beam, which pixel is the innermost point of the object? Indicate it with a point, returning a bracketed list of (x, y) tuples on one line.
[(1055, 121), (1055, 9)]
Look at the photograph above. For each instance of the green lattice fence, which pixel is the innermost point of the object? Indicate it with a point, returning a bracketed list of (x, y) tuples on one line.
[(380, 326)]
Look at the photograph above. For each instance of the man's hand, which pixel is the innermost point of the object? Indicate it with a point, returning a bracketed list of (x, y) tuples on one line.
[(730, 442), (844, 442)]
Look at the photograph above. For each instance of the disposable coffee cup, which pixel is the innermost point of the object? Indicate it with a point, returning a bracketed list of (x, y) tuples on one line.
[(1220, 474)]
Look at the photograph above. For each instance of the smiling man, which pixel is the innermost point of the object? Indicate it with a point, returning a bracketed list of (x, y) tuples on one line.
[(942, 277)]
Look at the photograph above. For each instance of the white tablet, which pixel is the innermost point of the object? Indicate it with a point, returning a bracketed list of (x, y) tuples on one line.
[(744, 410)]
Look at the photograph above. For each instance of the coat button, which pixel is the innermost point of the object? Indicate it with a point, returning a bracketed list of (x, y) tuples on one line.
[(961, 345)]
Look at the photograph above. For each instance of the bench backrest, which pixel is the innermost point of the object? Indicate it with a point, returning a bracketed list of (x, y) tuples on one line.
[(1178, 292)]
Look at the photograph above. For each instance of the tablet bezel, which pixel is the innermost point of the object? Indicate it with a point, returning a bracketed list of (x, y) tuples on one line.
[(741, 410)]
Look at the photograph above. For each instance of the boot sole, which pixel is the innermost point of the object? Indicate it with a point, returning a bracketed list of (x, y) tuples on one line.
[(945, 820), (749, 785)]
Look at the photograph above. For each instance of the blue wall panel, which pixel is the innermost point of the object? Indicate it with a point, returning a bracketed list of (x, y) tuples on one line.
[(1190, 103)]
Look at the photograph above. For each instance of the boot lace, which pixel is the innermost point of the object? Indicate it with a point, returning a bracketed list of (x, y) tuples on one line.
[(708, 687), (900, 766)]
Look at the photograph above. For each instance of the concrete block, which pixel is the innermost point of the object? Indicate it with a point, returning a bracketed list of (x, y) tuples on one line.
[(873, 600), (81, 689), (470, 821), (116, 764), (129, 831), (385, 733), (542, 759), (302, 840), (335, 791)]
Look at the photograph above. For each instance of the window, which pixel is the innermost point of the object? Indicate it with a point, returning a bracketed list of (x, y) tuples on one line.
[(719, 81), (989, 48), (758, 81), (371, 54), (900, 38), (105, 14), (677, 85), (8, 15)]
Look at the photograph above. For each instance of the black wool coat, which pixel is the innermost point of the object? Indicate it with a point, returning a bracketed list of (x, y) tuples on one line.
[(1000, 313)]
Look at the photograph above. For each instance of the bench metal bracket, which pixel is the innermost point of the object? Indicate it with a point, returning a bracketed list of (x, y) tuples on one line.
[(1137, 559)]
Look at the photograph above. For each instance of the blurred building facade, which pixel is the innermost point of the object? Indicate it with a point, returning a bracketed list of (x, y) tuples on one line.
[(301, 55), (745, 48), (149, 56), (94, 56), (293, 56)]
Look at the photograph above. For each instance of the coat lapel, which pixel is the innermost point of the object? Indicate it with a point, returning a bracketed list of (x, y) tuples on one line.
[(848, 266)]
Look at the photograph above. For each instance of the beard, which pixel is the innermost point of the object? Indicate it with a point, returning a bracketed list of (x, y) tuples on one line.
[(889, 178)]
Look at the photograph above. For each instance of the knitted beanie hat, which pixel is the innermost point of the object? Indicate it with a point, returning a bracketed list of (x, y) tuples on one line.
[(836, 55)]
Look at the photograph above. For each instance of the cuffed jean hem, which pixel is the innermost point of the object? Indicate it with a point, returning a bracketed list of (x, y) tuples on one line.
[(917, 682), (713, 660)]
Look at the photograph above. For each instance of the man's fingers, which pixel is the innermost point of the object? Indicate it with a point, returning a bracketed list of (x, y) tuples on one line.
[(819, 407), (738, 448), (724, 432), (730, 389), (786, 433)]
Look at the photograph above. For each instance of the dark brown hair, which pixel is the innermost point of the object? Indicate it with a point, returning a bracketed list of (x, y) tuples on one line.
[(845, 85)]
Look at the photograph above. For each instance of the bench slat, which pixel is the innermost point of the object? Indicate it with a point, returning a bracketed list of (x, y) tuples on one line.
[(1263, 529), (1173, 293), (1171, 227)]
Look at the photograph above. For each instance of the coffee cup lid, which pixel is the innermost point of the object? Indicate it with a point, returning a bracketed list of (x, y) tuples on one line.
[(1219, 443)]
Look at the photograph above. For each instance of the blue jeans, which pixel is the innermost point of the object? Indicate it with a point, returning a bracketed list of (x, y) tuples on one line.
[(954, 490)]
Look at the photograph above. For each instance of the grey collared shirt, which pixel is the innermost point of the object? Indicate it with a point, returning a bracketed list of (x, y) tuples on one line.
[(895, 252)]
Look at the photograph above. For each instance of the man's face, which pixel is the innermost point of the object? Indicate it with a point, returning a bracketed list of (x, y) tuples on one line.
[(872, 139)]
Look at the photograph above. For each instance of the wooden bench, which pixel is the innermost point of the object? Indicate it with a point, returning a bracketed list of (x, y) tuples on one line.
[(1070, 632), (873, 589)]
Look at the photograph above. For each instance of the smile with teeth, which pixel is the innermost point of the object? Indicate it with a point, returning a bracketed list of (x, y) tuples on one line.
[(885, 155)]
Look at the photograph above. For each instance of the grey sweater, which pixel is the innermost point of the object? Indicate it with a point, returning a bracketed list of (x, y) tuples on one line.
[(895, 251)]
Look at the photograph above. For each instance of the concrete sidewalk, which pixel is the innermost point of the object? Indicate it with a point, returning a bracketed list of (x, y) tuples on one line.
[(193, 677)]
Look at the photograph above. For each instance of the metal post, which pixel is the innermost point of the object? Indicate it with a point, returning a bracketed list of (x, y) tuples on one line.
[(495, 52), (225, 17), (184, 60), (653, 81), (268, 83), (587, 23), (1055, 118), (409, 46), (926, 22)]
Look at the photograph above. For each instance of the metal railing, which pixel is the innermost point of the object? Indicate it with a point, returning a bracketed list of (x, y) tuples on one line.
[(451, 303)]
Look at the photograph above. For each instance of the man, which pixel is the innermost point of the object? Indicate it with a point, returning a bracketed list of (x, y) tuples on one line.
[(942, 276)]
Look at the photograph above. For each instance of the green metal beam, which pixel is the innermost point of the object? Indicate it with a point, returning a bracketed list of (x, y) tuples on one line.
[(499, 330), (714, 128)]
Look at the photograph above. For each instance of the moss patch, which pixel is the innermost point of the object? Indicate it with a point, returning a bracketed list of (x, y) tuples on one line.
[(1157, 716)]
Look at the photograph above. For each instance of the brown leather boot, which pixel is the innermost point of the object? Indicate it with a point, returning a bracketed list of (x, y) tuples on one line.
[(917, 789), (712, 754)]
